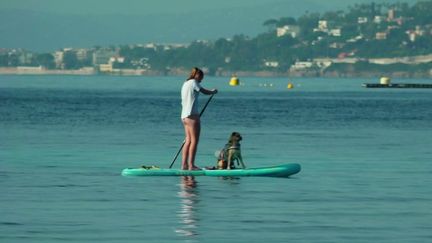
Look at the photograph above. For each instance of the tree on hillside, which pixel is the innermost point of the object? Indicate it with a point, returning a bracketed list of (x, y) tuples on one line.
[(286, 21), (70, 60), (335, 16), (12, 60), (4, 60), (306, 23), (421, 11), (45, 60), (270, 24)]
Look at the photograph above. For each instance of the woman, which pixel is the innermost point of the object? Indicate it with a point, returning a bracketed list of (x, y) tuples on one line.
[(191, 117)]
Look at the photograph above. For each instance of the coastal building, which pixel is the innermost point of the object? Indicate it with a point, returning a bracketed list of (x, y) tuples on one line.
[(25, 58), (25, 69), (292, 30), (342, 58), (323, 24), (336, 32), (381, 35), (362, 20), (301, 66), (82, 54), (378, 19), (345, 59), (116, 59), (142, 63), (337, 45), (392, 27), (322, 62), (411, 35), (151, 46), (172, 46), (406, 60), (355, 39), (106, 68), (272, 64), (391, 15), (58, 59), (102, 56)]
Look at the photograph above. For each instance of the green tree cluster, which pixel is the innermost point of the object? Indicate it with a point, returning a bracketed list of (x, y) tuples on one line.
[(243, 53), (358, 39)]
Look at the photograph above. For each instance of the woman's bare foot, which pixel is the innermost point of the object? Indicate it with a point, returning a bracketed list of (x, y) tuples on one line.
[(195, 168)]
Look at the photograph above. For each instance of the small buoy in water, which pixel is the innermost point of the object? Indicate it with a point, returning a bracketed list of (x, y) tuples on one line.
[(385, 80), (234, 81), (290, 86)]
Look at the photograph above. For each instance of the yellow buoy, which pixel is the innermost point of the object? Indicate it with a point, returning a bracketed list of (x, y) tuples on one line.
[(290, 86), (385, 80), (234, 81)]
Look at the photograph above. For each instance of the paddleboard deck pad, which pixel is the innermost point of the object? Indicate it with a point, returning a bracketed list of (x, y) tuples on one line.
[(283, 170)]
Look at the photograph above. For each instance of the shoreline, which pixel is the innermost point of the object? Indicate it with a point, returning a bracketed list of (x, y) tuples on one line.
[(181, 72)]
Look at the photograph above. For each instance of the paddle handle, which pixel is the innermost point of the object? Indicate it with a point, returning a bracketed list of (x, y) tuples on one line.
[(205, 106), (181, 147)]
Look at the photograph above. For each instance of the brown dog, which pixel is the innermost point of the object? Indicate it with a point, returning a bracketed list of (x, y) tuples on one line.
[(230, 153)]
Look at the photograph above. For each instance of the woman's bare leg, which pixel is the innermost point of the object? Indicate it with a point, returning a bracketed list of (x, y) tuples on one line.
[(195, 130), (186, 146)]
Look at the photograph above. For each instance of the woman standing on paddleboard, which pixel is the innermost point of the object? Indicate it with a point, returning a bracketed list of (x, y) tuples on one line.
[(191, 117)]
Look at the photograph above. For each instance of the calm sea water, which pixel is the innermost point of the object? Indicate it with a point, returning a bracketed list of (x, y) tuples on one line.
[(365, 153)]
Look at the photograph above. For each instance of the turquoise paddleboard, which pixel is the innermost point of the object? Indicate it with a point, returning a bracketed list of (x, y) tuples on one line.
[(283, 170)]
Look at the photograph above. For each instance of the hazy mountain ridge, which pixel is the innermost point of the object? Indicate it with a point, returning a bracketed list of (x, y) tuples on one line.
[(39, 31)]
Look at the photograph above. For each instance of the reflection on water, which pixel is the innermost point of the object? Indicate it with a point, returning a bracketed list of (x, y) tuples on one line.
[(188, 195)]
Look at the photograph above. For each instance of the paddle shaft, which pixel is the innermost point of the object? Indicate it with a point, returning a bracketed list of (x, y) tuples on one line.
[(184, 141)]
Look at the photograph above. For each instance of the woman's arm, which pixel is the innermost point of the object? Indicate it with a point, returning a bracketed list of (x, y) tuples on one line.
[(207, 91)]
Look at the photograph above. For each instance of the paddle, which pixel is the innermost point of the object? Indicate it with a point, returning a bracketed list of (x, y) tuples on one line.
[(184, 141)]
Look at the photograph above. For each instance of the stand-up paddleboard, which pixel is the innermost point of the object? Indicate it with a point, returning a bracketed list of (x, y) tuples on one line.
[(283, 170)]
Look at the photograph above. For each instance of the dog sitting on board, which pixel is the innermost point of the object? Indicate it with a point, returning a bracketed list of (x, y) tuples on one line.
[(231, 153)]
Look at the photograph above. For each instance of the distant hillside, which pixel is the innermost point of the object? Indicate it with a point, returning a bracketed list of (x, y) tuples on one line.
[(38, 31)]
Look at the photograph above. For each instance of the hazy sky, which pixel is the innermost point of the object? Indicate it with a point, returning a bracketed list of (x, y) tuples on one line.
[(45, 25), (127, 6), (154, 6)]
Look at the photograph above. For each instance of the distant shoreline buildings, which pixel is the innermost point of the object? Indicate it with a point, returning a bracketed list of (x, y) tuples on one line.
[(334, 43)]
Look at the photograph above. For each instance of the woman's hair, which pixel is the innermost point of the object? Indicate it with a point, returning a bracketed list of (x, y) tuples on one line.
[(195, 71), (233, 135)]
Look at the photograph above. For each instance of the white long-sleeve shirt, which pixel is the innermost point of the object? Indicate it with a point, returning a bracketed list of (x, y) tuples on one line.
[(189, 94)]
